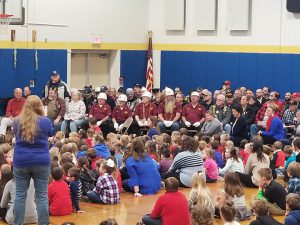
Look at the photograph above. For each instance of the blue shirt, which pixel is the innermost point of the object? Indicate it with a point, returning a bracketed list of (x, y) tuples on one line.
[(290, 160), (101, 150), (143, 173), (219, 160), (276, 129), (37, 153)]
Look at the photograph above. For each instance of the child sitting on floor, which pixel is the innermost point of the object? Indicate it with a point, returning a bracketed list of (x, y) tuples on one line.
[(272, 191), (93, 125), (151, 150), (87, 177), (200, 194), (59, 194), (228, 213), (201, 215), (293, 172), (75, 188), (211, 167), (261, 211), (90, 137), (170, 208), (166, 161), (233, 162), (106, 190), (292, 209), (217, 155)]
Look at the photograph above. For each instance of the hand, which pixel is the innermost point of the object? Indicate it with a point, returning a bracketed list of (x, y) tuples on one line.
[(80, 211), (99, 123), (170, 123), (197, 124), (116, 126), (259, 132), (140, 123), (121, 126), (187, 123), (166, 123), (56, 121), (137, 194)]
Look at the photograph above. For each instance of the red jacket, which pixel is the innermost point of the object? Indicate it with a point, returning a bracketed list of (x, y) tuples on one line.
[(280, 158), (14, 107), (59, 198), (172, 208)]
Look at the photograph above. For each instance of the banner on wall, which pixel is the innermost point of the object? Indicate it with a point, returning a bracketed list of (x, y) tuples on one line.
[(149, 71)]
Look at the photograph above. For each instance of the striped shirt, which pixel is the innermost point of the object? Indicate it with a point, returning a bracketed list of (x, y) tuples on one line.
[(76, 193), (187, 163), (108, 190)]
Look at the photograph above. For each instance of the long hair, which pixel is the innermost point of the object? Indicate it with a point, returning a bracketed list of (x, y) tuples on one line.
[(201, 215), (6, 175), (32, 110), (200, 193), (233, 185), (258, 149), (138, 149)]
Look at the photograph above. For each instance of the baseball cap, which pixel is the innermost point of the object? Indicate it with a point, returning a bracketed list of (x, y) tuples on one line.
[(195, 93), (54, 73), (292, 103), (296, 95), (137, 85), (229, 95), (103, 89), (227, 82)]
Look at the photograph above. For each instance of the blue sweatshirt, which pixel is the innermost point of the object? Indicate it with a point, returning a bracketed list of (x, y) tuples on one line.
[(276, 129), (143, 173), (37, 153), (101, 150)]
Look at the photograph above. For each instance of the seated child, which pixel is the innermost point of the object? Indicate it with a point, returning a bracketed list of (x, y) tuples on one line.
[(90, 137), (59, 137), (6, 175), (87, 177), (278, 155), (153, 127), (292, 209), (200, 194), (293, 172), (170, 208), (211, 167), (217, 155), (261, 211), (201, 215), (151, 150), (8, 201), (59, 194), (233, 162), (116, 174), (248, 150), (227, 212), (75, 188), (272, 191), (92, 157), (166, 161), (93, 125), (116, 150), (106, 190), (242, 148)]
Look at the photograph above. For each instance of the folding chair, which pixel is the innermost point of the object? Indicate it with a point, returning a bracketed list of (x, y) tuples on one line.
[(126, 125)]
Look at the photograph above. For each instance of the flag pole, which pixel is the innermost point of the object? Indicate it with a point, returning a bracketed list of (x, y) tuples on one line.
[(149, 68)]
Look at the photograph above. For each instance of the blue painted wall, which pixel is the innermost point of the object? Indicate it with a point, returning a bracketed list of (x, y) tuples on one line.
[(48, 60), (133, 67), (189, 70)]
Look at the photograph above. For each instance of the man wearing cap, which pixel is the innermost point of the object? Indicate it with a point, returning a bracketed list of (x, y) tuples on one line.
[(58, 84), (132, 101), (169, 112), (222, 112), (55, 108), (296, 98), (289, 118), (109, 100), (143, 112), (121, 113), (137, 90), (226, 86), (102, 111), (207, 99), (13, 109), (193, 114)]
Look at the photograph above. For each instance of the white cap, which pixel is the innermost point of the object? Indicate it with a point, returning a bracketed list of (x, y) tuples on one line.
[(147, 94), (195, 93), (102, 96), (169, 92), (122, 98), (97, 89)]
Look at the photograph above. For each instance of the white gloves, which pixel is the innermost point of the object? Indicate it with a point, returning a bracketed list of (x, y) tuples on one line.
[(187, 123), (99, 123), (197, 124), (141, 124), (116, 126), (121, 126), (168, 123)]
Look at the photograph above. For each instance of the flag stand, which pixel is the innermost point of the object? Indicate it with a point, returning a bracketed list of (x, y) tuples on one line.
[(149, 69)]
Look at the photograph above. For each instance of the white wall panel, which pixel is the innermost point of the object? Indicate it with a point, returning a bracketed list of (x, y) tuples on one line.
[(174, 14), (205, 15), (238, 14)]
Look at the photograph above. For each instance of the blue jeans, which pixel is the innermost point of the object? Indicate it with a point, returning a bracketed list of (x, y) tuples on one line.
[(227, 128), (175, 127), (147, 220), (40, 175), (126, 186), (73, 124), (94, 197)]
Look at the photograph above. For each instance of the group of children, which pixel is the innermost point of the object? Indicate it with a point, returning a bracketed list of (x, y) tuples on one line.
[(85, 167)]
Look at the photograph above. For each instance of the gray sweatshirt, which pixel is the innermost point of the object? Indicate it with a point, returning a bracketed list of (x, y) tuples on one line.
[(8, 199), (212, 127)]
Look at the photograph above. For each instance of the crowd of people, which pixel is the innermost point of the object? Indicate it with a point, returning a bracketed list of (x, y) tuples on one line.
[(73, 146)]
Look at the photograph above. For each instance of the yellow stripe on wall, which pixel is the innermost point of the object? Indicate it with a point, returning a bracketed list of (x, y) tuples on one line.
[(139, 46)]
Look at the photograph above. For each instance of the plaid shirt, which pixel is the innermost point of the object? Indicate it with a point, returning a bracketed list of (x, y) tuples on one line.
[(289, 117), (108, 189), (262, 111)]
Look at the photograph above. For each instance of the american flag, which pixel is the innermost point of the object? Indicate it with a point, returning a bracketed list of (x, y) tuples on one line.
[(149, 72)]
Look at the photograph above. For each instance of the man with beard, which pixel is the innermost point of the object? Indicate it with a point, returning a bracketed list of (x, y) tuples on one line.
[(169, 113), (179, 97), (55, 108), (287, 99), (26, 92), (207, 99), (132, 101), (193, 114), (58, 84), (143, 113), (260, 100)]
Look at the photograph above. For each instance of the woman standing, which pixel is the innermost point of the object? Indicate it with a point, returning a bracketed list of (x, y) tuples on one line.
[(74, 116), (32, 158)]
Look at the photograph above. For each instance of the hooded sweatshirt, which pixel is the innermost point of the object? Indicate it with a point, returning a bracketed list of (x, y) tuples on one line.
[(265, 220), (293, 218)]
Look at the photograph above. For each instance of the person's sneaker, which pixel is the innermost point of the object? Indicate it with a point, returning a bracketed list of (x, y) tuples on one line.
[(2, 138)]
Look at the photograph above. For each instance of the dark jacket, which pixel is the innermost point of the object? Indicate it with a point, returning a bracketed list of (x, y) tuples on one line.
[(249, 114), (60, 105), (60, 86), (293, 218), (265, 220), (239, 129)]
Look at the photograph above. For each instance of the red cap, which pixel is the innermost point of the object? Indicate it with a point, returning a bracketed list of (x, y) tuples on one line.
[(227, 82), (296, 95)]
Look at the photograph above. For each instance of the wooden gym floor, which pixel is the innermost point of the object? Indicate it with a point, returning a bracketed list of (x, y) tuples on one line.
[(132, 209)]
